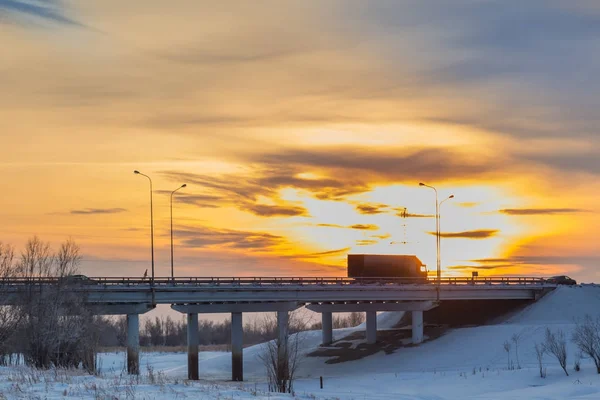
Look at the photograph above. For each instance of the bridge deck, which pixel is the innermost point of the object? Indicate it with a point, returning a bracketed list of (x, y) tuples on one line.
[(273, 289), (277, 281)]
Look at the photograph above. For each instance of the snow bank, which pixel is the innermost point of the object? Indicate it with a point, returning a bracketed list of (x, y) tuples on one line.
[(459, 349), (564, 305)]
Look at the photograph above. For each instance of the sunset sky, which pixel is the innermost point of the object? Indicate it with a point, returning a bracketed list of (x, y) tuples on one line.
[(302, 130)]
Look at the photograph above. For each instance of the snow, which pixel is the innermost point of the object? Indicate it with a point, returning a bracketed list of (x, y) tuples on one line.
[(467, 363), (564, 305), (385, 320)]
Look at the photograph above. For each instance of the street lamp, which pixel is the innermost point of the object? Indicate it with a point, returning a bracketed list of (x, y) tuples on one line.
[(151, 224), (437, 233), (172, 193), (440, 223)]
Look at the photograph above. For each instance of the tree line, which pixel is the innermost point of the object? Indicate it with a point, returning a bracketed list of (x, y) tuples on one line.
[(47, 325), (170, 332)]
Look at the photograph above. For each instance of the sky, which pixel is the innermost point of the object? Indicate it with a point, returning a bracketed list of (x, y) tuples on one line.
[(302, 130)]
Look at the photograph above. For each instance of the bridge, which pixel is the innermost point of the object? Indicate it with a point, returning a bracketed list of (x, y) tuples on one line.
[(193, 296)]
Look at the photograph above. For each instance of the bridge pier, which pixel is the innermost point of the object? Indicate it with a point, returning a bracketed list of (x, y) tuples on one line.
[(371, 327), (237, 331), (327, 327), (371, 308), (133, 344), (417, 327), (237, 347), (192, 341)]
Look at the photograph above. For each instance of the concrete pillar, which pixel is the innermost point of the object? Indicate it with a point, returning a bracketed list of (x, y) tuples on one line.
[(371, 327), (417, 327), (282, 345), (327, 327), (192, 341), (237, 347), (133, 344)]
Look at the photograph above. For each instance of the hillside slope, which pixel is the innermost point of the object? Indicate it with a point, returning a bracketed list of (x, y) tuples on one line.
[(467, 363)]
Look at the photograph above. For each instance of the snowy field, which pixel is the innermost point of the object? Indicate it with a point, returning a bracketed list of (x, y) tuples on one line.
[(468, 363)]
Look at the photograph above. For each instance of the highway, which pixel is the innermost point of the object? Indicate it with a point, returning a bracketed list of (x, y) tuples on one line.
[(165, 290)]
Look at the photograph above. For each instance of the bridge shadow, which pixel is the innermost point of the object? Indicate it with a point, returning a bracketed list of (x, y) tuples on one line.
[(438, 321), (354, 347)]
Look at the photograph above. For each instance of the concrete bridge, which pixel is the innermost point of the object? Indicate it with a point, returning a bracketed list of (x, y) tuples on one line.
[(193, 296)]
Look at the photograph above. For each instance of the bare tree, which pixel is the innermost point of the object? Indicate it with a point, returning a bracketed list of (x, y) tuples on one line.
[(556, 344), (9, 317), (121, 330), (356, 318), (57, 329), (539, 352), (507, 347), (587, 338), (282, 358), (515, 339)]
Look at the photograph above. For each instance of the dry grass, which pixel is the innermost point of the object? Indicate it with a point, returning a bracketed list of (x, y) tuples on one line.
[(29, 383), (168, 349)]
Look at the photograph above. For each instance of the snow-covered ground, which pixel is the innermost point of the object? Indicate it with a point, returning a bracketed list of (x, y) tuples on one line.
[(468, 363)]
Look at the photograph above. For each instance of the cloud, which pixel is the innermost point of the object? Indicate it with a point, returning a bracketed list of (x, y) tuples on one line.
[(243, 190), (366, 242), (331, 226), (542, 260), (364, 227), (468, 204), (90, 211), (45, 10), (381, 164), (401, 212), (203, 56), (321, 254), (477, 267), (203, 236), (383, 236), (371, 208), (265, 210), (486, 74), (477, 234), (587, 161), (536, 265), (200, 200), (540, 211)]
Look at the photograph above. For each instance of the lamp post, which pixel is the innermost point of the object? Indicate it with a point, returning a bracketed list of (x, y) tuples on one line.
[(151, 224), (172, 193), (437, 235), (440, 224)]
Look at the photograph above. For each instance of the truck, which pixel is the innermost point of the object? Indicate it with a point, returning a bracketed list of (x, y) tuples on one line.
[(380, 266)]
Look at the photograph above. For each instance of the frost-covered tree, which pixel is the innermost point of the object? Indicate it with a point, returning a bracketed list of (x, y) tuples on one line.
[(539, 352), (556, 344), (587, 338), (515, 339), (507, 347)]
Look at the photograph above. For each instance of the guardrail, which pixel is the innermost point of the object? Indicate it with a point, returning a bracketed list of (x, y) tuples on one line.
[(269, 281)]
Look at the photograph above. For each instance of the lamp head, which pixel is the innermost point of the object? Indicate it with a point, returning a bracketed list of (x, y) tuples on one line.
[(136, 172), (421, 184), (451, 196), (184, 185)]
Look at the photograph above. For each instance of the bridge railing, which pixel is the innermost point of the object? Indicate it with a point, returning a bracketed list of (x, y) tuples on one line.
[(273, 281)]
